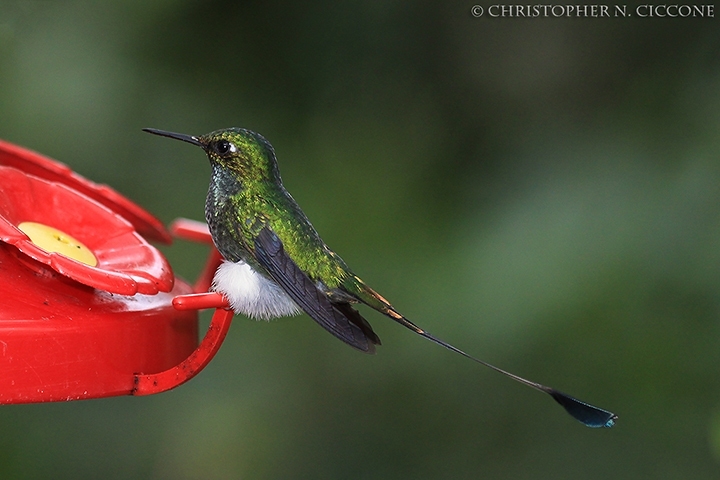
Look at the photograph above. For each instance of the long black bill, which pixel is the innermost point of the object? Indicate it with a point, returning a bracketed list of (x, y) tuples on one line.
[(176, 136)]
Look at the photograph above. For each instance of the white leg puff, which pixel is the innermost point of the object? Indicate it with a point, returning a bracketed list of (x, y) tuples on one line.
[(252, 294)]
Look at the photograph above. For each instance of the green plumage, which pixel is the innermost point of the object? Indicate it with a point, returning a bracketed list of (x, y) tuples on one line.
[(279, 264), (246, 194)]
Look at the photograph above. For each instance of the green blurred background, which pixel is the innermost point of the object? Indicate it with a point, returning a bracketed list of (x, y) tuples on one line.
[(544, 193)]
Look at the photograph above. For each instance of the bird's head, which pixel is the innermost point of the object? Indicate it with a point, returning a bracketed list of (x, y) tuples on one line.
[(246, 155)]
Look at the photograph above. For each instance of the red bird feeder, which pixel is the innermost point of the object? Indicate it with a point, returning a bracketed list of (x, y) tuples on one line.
[(88, 307)]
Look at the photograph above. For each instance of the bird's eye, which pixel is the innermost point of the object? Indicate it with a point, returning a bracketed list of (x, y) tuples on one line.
[(223, 147)]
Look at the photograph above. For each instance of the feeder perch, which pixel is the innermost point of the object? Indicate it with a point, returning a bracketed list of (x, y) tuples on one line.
[(89, 308)]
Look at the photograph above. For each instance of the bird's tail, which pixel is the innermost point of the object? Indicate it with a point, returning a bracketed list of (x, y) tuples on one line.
[(587, 414)]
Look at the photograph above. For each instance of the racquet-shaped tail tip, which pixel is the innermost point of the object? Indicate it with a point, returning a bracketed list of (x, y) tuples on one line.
[(585, 413)]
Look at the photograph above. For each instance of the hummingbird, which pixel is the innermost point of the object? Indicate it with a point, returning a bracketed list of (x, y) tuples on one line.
[(275, 263)]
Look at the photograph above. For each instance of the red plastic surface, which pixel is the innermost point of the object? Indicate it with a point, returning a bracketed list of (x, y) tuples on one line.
[(72, 331), (60, 340), (43, 167), (191, 366), (127, 264)]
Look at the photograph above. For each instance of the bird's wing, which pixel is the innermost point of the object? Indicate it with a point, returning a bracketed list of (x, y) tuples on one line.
[(271, 255)]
